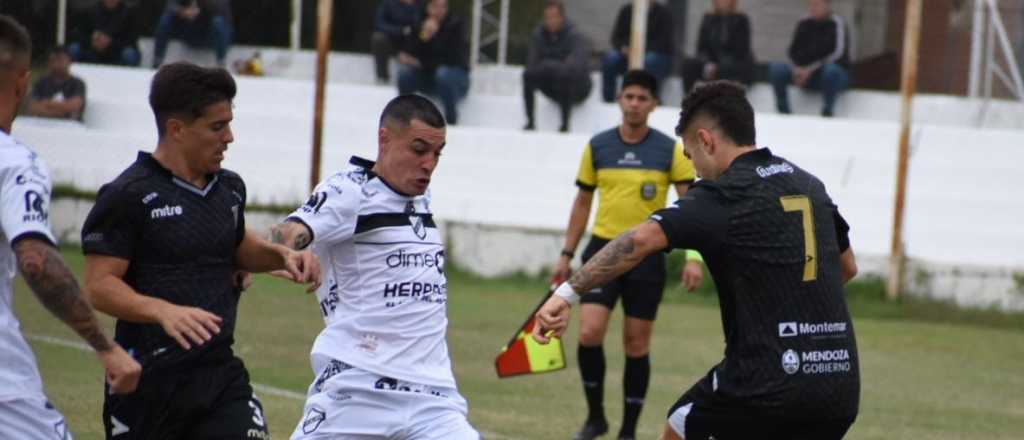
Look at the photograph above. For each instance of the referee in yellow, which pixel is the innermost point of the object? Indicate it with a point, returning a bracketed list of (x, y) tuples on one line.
[(631, 167)]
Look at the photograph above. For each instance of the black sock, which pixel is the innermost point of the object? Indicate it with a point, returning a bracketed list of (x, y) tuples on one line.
[(634, 389), (591, 360)]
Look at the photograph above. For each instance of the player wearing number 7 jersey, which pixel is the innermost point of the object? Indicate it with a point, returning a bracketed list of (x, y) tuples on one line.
[(779, 253)]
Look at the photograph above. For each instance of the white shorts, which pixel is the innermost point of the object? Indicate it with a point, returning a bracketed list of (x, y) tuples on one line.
[(32, 419), (346, 403)]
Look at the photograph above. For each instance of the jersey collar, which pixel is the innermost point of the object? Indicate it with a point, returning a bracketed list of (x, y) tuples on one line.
[(147, 160), (368, 165)]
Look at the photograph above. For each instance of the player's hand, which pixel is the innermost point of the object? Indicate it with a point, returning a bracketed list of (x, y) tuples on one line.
[(693, 275), (801, 76), (408, 60), (123, 371), (552, 319), (304, 268), (189, 325), (562, 272), (243, 280)]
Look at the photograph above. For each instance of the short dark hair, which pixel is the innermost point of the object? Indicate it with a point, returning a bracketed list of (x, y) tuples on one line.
[(641, 78), (403, 109), (555, 4), (15, 42), (726, 102), (184, 90)]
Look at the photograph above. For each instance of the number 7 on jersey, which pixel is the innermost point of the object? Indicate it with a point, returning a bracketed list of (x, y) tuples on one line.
[(803, 204)]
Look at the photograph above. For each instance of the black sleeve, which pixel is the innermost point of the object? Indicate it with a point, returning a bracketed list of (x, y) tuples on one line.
[(620, 33), (739, 47), (703, 41), (797, 45), (240, 224), (662, 40), (696, 221), (113, 226), (77, 88), (842, 231)]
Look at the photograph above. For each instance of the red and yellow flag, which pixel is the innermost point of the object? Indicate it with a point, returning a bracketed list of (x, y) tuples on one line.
[(523, 355)]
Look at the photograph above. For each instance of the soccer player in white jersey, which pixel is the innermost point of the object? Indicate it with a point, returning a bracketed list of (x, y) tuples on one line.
[(381, 363), (26, 244)]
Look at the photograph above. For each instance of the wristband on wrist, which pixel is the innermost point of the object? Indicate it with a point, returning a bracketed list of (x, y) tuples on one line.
[(692, 255), (568, 253), (566, 292)]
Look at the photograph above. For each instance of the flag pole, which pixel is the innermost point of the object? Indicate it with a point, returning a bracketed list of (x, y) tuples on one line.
[(325, 17), (911, 40)]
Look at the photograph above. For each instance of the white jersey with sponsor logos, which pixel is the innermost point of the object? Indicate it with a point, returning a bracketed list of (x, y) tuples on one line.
[(24, 208), (384, 293)]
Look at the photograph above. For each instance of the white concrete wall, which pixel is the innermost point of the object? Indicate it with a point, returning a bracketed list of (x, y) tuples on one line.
[(505, 194)]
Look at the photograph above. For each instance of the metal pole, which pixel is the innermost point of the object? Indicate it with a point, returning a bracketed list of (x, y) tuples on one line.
[(977, 27), (474, 39), (62, 21), (638, 36), (990, 57), (325, 18), (911, 40), (296, 29), (503, 33)]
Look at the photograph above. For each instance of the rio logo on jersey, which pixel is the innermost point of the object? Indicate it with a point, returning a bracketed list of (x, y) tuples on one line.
[(34, 208)]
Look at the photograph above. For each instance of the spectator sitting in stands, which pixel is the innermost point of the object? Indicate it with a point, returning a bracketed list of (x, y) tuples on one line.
[(395, 21), (818, 58), (199, 23), (435, 59), (723, 48), (107, 36), (556, 64), (658, 56), (58, 94)]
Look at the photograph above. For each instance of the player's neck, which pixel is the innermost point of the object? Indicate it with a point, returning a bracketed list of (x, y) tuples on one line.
[(633, 134), (734, 152), (179, 166)]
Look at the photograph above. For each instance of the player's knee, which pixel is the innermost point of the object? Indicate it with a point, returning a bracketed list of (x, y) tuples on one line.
[(637, 347), (591, 335)]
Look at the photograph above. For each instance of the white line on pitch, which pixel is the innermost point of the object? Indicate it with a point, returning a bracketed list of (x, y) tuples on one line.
[(265, 389)]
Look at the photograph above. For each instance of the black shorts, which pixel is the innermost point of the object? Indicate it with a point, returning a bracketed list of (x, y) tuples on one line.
[(704, 417), (204, 402), (641, 288)]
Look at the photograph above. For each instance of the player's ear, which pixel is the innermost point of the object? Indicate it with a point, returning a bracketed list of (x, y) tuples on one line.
[(174, 127), (21, 84), (707, 141)]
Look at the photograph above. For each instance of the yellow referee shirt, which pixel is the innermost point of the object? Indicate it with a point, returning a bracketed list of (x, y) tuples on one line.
[(632, 180)]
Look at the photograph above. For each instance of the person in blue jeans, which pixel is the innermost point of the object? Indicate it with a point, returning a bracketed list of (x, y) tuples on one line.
[(200, 23), (657, 58), (435, 59), (819, 59)]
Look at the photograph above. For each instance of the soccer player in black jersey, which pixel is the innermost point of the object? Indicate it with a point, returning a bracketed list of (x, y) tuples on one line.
[(779, 253), (163, 245)]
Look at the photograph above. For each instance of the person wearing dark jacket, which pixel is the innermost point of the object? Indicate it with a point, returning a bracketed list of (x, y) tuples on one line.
[(556, 64), (819, 58), (657, 57), (107, 36), (395, 21), (723, 47), (435, 59), (197, 22)]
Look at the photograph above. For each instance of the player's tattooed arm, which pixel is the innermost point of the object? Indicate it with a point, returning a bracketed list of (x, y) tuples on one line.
[(619, 256), (292, 234), (53, 283)]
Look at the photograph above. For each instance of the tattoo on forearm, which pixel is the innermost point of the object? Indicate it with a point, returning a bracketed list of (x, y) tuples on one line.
[(298, 242), (301, 240), (614, 259), (52, 282)]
